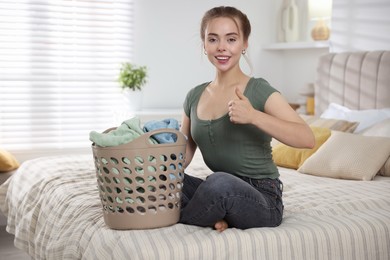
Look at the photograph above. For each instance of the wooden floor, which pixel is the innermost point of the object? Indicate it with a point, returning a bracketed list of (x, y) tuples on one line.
[(7, 249)]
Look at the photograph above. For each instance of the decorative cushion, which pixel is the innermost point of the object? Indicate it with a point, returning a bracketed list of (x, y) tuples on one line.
[(348, 156), (366, 118), (333, 124), (7, 161), (290, 157)]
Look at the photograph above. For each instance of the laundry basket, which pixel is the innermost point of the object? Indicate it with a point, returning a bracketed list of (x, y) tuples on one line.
[(140, 182)]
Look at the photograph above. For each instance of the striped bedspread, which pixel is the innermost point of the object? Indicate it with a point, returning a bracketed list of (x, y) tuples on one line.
[(54, 210)]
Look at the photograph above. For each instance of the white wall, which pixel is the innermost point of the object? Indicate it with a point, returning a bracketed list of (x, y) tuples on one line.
[(167, 41), (360, 25)]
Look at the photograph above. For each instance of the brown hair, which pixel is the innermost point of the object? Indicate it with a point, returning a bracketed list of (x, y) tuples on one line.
[(229, 12)]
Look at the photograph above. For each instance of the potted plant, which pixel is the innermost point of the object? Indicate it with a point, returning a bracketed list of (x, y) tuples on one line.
[(131, 79)]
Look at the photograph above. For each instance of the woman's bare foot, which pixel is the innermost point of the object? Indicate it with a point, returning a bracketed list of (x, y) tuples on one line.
[(221, 225)]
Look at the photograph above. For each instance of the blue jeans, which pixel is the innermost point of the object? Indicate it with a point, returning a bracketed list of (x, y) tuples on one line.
[(242, 202)]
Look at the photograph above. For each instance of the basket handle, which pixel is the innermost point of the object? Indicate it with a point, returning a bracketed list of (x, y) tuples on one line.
[(181, 139)]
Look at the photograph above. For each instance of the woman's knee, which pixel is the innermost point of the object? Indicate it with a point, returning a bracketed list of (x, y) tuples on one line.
[(221, 181)]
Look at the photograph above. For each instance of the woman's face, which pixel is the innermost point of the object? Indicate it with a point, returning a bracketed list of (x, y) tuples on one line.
[(224, 43)]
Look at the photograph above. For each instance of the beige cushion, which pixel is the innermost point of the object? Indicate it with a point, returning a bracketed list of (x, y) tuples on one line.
[(333, 124), (348, 156)]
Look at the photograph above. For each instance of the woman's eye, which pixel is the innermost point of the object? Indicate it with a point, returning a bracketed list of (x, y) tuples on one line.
[(212, 40), (232, 40)]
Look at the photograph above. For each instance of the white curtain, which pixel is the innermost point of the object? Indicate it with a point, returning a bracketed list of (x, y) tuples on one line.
[(59, 62)]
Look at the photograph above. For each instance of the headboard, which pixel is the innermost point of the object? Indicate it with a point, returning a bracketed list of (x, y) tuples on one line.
[(357, 80)]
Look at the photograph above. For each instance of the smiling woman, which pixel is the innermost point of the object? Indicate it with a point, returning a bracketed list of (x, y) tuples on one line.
[(59, 62)]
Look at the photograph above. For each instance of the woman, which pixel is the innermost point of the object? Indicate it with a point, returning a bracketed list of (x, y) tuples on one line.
[(232, 120)]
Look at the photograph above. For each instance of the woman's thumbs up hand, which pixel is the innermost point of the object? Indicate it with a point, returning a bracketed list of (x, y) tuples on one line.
[(241, 110)]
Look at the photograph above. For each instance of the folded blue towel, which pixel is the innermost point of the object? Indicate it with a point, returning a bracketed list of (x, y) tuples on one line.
[(166, 123)]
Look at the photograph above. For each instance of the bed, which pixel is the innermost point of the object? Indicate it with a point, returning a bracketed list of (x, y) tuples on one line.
[(53, 207)]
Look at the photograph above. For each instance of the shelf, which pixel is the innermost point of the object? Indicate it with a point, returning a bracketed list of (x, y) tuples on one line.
[(296, 45)]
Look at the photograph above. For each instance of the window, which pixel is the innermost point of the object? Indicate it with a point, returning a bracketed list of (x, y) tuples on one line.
[(59, 62)]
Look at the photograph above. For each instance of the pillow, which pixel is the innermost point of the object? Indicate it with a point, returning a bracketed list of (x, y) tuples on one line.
[(7, 161), (385, 170), (348, 156), (333, 124), (380, 129), (366, 118), (290, 157)]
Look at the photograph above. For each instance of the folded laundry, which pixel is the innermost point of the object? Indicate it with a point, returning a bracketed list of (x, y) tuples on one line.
[(125, 133), (165, 123)]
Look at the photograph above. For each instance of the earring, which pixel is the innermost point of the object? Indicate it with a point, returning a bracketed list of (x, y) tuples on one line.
[(205, 53), (243, 52)]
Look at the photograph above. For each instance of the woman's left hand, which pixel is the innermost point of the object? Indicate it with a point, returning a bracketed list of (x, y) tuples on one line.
[(241, 110)]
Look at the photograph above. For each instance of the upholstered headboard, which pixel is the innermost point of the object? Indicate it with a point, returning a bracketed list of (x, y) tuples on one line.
[(357, 80)]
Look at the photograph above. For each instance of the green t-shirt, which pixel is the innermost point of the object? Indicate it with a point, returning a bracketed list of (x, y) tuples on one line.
[(238, 149)]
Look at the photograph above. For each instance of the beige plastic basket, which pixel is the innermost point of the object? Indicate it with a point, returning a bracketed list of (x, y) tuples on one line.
[(140, 182)]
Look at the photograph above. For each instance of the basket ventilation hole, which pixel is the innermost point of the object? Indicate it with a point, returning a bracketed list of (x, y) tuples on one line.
[(118, 200), (152, 198), (171, 186), (139, 170), (162, 207), (163, 158), (162, 197), (114, 160), (140, 180), (106, 170), (152, 179), (118, 190), (140, 200), (110, 199), (152, 209), (128, 190), (104, 161), (127, 180), (152, 159), (126, 160), (163, 168), (162, 177), (151, 188), (109, 189), (170, 205), (173, 156), (129, 200), (141, 210), (119, 209), (116, 180), (107, 179), (126, 170), (130, 210), (172, 176), (140, 190), (139, 160), (162, 187), (172, 166), (115, 171), (152, 169)]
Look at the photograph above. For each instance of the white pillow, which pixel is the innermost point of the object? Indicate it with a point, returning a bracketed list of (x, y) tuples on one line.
[(366, 118), (348, 156)]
